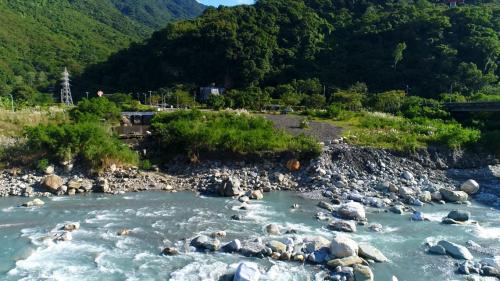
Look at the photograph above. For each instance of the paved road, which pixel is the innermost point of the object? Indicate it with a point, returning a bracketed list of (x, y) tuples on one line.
[(319, 130)]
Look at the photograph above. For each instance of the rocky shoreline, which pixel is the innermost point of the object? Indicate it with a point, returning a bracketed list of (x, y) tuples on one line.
[(345, 180), (342, 172)]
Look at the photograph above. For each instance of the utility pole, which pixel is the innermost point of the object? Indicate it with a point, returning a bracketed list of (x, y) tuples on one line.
[(66, 97), (150, 101)]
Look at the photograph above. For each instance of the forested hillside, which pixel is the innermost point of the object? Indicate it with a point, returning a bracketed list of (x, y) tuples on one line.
[(156, 13), (422, 46), (39, 37)]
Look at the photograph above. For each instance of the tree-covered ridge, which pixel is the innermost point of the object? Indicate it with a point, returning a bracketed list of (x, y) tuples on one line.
[(423, 46), (39, 37), (156, 13)]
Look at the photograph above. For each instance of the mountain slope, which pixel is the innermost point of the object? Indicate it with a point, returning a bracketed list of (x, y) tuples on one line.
[(39, 37), (423, 46), (156, 13)]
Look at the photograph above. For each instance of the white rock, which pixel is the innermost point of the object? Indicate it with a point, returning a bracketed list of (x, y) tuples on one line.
[(470, 187), (407, 175), (247, 271), (342, 247), (455, 250), (352, 210)]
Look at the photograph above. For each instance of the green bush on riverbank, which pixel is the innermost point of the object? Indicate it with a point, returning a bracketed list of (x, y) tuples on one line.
[(89, 143), (197, 132)]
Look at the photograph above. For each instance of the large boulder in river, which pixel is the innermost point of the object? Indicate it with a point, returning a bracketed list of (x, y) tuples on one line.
[(247, 271), (455, 250), (257, 195), (233, 246), (34, 203), (204, 242), (470, 187), (352, 211), (277, 246), (347, 261), (312, 244), (273, 229), (230, 187), (362, 273), (326, 206), (341, 225), (52, 183), (367, 251), (453, 195), (459, 215), (342, 247)]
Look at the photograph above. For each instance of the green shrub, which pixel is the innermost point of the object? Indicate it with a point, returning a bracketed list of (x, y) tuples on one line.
[(146, 165), (195, 131), (43, 164), (390, 101), (95, 109), (304, 123), (89, 143), (414, 107), (216, 102), (349, 99)]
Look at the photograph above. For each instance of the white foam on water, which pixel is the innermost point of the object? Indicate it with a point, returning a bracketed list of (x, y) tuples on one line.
[(59, 198), (148, 212), (8, 209), (484, 232), (56, 261), (286, 271), (103, 216), (438, 216), (206, 269), (390, 229), (7, 225)]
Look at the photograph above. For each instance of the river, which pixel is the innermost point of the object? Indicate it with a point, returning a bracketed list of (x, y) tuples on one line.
[(157, 220)]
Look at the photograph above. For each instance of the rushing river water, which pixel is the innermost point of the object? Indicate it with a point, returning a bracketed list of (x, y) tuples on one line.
[(157, 220)]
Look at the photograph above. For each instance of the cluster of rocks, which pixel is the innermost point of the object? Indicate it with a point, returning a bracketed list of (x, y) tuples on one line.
[(28, 183), (484, 267), (346, 259)]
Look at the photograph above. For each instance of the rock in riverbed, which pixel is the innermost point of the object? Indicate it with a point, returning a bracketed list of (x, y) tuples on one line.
[(470, 187), (341, 225), (363, 273), (352, 211), (170, 251), (35, 202), (459, 215), (347, 261), (204, 242), (52, 183), (233, 246), (453, 195), (455, 250), (437, 250), (369, 252), (71, 226), (273, 229), (247, 271), (342, 246), (326, 206)]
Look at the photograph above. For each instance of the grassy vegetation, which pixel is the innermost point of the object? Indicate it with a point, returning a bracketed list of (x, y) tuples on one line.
[(13, 123), (383, 130), (88, 143), (196, 132)]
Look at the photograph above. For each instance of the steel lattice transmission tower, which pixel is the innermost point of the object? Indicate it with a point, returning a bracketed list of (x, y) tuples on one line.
[(66, 97)]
